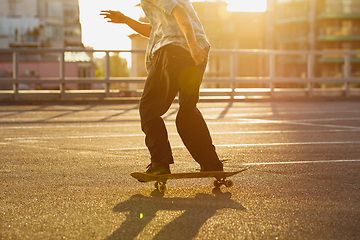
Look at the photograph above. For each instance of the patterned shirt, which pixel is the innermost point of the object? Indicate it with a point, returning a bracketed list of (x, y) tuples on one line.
[(165, 29)]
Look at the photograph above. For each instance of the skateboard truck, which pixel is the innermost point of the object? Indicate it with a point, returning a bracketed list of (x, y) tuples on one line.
[(219, 182), (161, 186)]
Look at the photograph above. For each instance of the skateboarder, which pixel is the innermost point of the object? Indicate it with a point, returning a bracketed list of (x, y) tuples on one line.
[(176, 58)]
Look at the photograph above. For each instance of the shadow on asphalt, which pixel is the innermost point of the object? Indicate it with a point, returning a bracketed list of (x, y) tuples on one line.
[(141, 210)]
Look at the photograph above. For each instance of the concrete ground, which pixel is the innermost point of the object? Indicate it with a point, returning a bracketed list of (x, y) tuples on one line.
[(64, 174)]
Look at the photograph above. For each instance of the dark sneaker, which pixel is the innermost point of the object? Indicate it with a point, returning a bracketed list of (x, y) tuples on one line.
[(157, 170), (217, 166)]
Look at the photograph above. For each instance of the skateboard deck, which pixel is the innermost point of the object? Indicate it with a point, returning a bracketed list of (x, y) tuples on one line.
[(160, 180)]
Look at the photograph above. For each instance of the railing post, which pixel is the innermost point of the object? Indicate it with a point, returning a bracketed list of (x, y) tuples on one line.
[(62, 75), (347, 74), (107, 74), (310, 74), (232, 75), (272, 74), (16, 75)]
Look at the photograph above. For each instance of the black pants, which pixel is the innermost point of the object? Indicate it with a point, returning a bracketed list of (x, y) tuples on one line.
[(174, 71)]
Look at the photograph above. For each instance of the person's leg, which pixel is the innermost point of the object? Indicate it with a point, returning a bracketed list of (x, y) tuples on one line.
[(190, 123), (158, 95)]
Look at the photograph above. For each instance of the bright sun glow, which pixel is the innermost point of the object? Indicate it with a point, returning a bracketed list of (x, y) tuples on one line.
[(246, 5), (101, 35)]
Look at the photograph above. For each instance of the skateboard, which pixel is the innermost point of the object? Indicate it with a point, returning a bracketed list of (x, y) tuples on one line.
[(160, 180)]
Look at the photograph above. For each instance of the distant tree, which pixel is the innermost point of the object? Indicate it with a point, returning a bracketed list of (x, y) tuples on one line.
[(99, 71), (118, 68)]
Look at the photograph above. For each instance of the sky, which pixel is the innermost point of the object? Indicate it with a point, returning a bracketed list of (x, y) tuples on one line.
[(101, 35)]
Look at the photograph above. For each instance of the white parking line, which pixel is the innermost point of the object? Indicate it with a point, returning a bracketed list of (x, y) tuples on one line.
[(129, 115), (303, 122), (171, 123), (280, 113), (251, 145), (176, 134), (76, 137), (329, 119), (54, 119), (109, 124), (302, 162), (132, 114), (80, 125)]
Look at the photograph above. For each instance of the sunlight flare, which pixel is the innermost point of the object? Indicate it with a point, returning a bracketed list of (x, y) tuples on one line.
[(246, 6)]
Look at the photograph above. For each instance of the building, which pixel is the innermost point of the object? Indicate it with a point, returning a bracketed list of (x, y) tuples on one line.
[(232, 30), (315, 25), (43, 24), (40, 23), (225, 30)]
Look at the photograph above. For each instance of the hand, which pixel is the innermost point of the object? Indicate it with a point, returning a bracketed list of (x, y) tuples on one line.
[(197, 53), (114, 16)]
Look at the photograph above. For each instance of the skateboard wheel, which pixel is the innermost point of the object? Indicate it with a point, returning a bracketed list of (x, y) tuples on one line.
[(229, 183), (156, 185), (161, 187), (217, 184)]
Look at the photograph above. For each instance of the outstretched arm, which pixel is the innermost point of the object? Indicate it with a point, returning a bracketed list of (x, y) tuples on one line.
[(118, 17), (182, 18)]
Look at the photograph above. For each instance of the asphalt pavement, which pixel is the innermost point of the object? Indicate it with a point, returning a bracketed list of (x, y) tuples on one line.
[(65, 173)]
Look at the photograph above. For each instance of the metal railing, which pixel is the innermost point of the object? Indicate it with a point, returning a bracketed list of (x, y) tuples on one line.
[(269, 59)]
